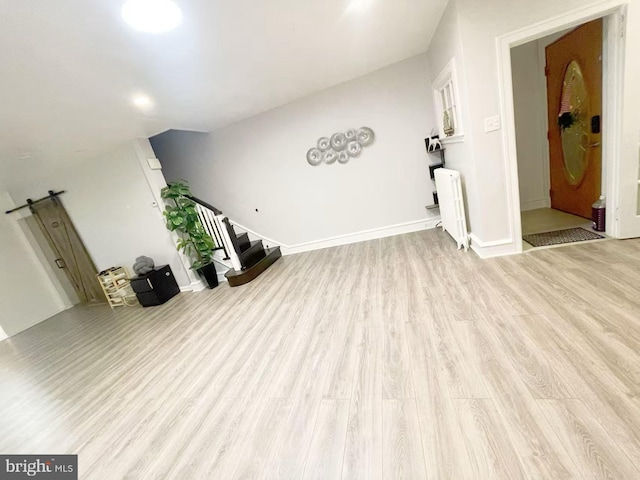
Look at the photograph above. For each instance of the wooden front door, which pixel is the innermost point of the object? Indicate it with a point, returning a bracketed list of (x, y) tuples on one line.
[(574, 106), (66, 243)]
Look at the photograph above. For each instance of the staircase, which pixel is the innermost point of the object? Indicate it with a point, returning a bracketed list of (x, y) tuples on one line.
[(248, 258), (254, 258)]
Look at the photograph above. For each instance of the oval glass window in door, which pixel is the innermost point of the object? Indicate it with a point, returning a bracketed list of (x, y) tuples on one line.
[(574, 121)]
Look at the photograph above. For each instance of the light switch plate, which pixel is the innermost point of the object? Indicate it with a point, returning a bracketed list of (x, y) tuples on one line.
[(492, 123), (154, 164)]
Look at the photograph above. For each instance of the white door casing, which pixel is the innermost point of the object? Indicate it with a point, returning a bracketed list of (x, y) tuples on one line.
[(620, 147)]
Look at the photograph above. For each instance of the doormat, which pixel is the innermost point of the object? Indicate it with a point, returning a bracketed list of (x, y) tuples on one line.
[(569, 235)]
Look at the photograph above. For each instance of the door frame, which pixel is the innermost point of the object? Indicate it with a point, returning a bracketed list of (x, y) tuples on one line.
[(613, 13)]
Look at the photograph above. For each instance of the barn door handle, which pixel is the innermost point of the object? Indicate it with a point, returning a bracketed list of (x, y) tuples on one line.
[(59, 262)]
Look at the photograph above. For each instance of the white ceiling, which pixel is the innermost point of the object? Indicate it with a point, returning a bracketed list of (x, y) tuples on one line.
[(68, 68)]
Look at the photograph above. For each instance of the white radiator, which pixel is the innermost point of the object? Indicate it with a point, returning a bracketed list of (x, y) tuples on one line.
[(449, 188)]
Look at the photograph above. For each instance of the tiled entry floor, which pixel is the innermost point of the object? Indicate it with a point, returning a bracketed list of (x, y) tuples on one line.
[(549, 220)]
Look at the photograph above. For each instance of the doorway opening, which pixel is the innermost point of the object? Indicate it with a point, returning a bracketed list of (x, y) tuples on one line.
[(607, 140), (557, 93)]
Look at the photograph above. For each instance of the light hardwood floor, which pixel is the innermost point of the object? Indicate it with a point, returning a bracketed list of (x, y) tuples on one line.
[(395, 358)]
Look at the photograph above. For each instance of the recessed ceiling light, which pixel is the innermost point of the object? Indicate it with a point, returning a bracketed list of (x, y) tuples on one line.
[(152, 16), (359, 5), (142, 101)]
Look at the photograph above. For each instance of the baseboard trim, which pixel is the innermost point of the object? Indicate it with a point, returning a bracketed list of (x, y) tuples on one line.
[(496, 248), (193, 287), (355, 237), (4, 335), (535, 204), (362, 236)]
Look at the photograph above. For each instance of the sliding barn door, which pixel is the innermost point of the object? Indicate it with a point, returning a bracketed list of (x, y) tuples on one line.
[(73, 257)]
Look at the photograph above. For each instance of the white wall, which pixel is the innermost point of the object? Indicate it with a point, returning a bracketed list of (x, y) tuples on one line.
[(260, 163), (530, 107), (460, 155), (179, 151), (631, 122), (26, 293), (112, 207), (155, 183)]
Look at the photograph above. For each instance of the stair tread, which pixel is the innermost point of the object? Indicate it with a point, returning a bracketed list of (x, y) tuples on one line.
[(241, 277), (253, 246)]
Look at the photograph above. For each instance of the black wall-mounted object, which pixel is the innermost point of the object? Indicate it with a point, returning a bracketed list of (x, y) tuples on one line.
[(30, 202), (156, 287), (433, 168), (441, 152), (433, 144), (595, 124)]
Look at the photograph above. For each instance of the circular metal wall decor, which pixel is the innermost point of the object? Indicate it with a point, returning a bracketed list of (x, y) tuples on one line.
[(324, 144), (314, 157), (341, 146), (338, 141), (330, 157), (351, 134), (365, 136), (354, 149)]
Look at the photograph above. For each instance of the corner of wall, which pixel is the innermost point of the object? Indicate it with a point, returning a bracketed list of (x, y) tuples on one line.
[(27, 277), (156, 182), (496, 248)]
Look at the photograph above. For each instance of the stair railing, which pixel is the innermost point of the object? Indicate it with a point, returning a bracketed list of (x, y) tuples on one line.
[(232, 243), (212, 227), (215, 224)]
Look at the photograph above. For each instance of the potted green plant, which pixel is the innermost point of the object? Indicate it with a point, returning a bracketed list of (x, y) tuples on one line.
[(182, 217)]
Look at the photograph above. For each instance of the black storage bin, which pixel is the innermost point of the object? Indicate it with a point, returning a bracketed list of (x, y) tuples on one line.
[(155, 288)]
